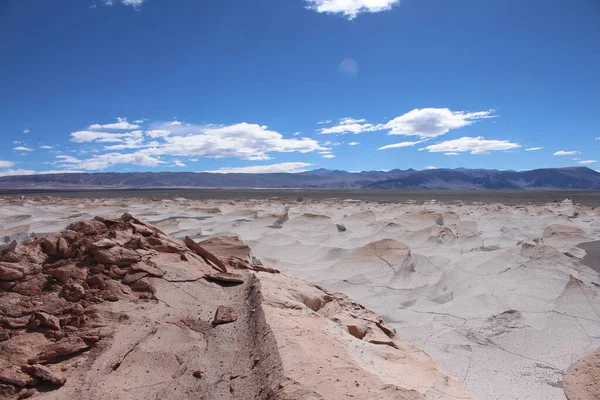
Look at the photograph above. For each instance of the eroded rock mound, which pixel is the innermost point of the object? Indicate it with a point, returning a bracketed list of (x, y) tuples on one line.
[(109, 305)]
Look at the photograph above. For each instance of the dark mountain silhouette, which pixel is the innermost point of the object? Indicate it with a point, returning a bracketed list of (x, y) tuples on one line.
[(574, 178)]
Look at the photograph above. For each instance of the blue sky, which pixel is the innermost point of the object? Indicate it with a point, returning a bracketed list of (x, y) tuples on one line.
[(290, 85)]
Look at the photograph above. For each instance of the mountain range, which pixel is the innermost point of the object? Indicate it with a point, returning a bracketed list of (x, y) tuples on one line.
[(572, 178)]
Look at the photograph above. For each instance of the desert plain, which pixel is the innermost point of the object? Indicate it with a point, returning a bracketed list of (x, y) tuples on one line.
[(487, 300)]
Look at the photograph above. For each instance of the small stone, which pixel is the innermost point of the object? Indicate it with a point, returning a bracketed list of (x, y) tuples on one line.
[(341, 228), (226, 277), (103, 244), (73, 292), (27, 393), (47, 320), (44, 373), (31, 287), (143, 285), (197, 374), (134, 277), (63, 347), (116, 256), (225, 315), (7, 391)]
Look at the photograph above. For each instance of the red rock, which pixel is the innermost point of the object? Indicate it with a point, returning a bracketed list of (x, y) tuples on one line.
[(117, 256), (44, 373), (10, 271), (70, 236), (32, 286), (69, 272), (49, 245), (225, 315), (27, 393), (4, 336), (116, 272), (15, 322), (151, 269), (102, 244), (63, 246), (96, 281), (73, 292), (87, 227), (141, 229), (134, 277), (64, 347), (15, 376), (7, 391), (226, 277), (143, 285), (47, 320)]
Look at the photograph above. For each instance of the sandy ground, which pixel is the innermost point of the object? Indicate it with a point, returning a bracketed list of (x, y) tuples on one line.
[(499, 296)]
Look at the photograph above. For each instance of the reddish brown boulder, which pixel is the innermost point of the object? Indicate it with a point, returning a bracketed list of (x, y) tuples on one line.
[(70, 236), (117, 256), (134, 277), (225, 315), (87, 227), (73, 292), (47, 320), (15, 376), (32, 286), (68, 272), (63, 246), (103, 244), (64, 347), (143, 285), (44, 373), (49, 245), (10, 271), (7, 391), (150, 268), (142, 229)]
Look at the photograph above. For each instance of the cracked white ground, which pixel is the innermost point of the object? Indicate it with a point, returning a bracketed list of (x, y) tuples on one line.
[(498, 295)]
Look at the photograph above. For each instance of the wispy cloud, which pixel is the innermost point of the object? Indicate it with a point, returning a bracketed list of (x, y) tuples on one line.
[(534, 149), (327, 121), (328, 156), (451, 153), (350, 9), (474, 145), (399, 145), (133, 3), (287, 167), (18, 172), (26, 131), (350, 125), (430, 167), (22, 148), (121, 124), (588, 162), (46, 147), (353, 143), (6, 164), (566, 153)]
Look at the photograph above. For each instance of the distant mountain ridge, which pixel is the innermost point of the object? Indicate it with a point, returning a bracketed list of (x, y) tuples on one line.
[(572, 178)]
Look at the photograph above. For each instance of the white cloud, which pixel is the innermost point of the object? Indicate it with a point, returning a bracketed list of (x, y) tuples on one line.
[(179, 163), (286, 167), (430, 167), (16, 172), (139, 121), (433, 122), (350, 8), (26, 131), (101, 137), (22, 148), (133, 3), (566, 153), (242, 140), (451, 153), (398, 145), (121, 124), (351, 125), (353, 143), (588, 162), (474, 145), (328, 156), (103, 161), (6, 164), (174, 123), (534, 149), (296, 133), (424, 123), (327, 121), (576, 159), (46, 147)]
